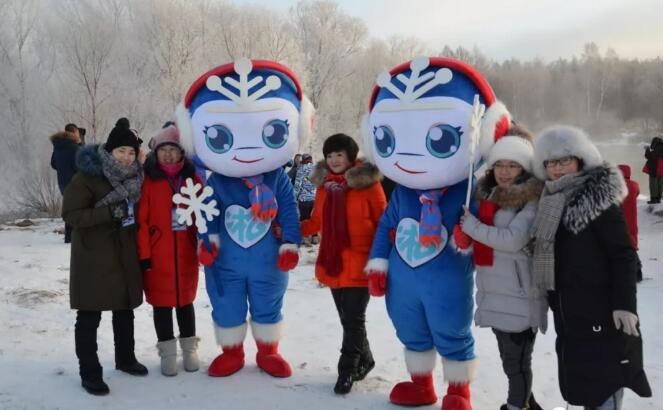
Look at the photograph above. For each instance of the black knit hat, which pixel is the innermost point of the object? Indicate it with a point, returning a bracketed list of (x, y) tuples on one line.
[(341, 142), (122, 136)]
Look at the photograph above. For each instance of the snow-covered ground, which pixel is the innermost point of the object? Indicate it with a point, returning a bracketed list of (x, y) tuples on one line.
[(38, 367)]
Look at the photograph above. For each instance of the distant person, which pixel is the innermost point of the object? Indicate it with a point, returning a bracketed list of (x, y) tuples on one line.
[(292, 173), (105, 272), (630, 210), (654, 167), (630, 204), (170, 263), (63, 160), (305, 190)]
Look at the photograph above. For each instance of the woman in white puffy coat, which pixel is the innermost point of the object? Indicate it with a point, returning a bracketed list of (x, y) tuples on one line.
[(506, 299)]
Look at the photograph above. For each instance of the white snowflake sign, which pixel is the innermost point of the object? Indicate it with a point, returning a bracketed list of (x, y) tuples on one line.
[(195, 205)]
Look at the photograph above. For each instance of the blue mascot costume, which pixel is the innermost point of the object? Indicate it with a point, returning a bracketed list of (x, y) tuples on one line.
[(419, 132), (243, 121)]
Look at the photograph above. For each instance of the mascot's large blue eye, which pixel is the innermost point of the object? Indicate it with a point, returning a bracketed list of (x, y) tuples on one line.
[(218, 138), (385, 141), (275, 133), (443, 140)]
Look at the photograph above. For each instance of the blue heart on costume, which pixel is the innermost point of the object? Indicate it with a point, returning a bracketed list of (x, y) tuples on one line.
[(410, 249), (242, 228)]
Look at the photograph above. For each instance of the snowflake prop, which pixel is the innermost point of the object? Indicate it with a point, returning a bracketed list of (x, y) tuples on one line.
[(195, 205)]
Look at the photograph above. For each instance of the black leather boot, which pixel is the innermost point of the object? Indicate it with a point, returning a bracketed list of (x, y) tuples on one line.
[(96, 387), (344, 384), (123, 334)]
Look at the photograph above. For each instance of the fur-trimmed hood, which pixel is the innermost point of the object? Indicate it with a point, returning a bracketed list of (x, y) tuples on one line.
[(361, 176), (88, 160), (63, 136), (604, 187), (153, 171), (514, 197)]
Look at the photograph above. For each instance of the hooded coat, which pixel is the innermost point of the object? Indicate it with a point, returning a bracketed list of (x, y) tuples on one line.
[(172, 279), (364, 203), (595, 274), (63, 159), (104, 272)]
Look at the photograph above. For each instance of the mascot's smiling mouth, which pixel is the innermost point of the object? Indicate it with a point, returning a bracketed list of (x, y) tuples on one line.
[(407, 170), (246, 161)]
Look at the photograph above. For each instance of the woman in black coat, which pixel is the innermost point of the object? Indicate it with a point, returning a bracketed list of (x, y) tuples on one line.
[(584, 258)]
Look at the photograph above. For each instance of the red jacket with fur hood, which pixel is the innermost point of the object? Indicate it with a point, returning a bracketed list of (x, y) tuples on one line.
[(365, 202)]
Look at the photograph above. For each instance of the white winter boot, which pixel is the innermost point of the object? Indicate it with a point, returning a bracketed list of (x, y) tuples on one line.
[(190, 353), (168, 354)]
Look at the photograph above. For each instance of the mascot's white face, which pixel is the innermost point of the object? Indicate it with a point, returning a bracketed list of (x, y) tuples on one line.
[(421, 142), (241, 144), (245, 121), (423, 149)]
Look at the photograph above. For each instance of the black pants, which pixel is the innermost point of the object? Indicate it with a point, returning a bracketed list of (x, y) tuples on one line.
[(85, 335), (351, 305), (163, 322), (305, 209), (516, 354)]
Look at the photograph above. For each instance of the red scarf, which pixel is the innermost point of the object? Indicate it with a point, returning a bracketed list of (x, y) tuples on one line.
[(335, 235), (483, 254), (172, 170)]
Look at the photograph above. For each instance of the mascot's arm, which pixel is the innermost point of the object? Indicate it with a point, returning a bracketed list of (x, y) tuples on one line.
[(378, 263), (288, 219)]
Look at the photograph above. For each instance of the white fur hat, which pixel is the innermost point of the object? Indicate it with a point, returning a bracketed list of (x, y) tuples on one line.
[(513, 148), (561, 141)]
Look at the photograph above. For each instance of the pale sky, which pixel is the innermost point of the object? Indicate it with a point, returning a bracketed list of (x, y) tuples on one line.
[(524, 29)]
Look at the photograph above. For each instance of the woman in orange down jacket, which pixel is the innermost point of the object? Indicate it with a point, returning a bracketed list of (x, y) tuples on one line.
[(348, 205)]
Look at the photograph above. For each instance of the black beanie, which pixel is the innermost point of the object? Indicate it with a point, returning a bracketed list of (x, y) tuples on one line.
[(122, 136), (341, 142)]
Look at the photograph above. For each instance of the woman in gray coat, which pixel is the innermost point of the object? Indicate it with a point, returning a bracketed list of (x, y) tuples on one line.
[(506, 300)]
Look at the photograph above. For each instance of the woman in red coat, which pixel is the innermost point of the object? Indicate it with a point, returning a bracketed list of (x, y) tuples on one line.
[(167, 251)]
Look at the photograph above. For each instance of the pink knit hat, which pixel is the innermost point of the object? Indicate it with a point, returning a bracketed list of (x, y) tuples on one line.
[(167, 135)]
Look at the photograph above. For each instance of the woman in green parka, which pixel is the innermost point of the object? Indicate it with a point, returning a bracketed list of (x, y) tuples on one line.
[(105, 272)]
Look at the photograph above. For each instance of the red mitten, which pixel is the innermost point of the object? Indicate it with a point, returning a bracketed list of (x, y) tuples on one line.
[(205, 256), (288, 257), (463, 240), (377, 283)]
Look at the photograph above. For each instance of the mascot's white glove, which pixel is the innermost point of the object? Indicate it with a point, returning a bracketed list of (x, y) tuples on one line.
[(626, 321)]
